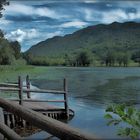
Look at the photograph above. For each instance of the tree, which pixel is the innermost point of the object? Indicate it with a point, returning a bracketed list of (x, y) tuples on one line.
[(108, 57), (83, 59), (17, 48), (2, 3), (130, 116), (126, 58), (1, 34), (120, 57), (6, 56), (136, 57)]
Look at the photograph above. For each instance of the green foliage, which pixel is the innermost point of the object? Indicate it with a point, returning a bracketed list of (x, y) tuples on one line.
[(2, 3), (136, 56), (17, 49), (83, 59), (43, 61), (9, 51), (1, 34), (111, 45), (123, 114)]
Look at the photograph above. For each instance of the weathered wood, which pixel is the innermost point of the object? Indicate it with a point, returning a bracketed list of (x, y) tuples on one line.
[(8, 85), (2, 121), (20, 90), (9, 89), (32, 90), (32, 100), (52, 126), (39, 106), (28, 86), (43, 91), (66, 99), (9, 133)]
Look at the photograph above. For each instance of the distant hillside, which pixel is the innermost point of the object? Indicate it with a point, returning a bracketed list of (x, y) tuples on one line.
[(97, 37), (118, 37)]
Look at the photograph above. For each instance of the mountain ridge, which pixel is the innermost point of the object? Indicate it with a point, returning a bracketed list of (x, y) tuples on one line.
[(97, 39)]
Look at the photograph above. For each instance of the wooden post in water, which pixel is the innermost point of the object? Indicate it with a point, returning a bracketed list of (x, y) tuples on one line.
[(28, 86), (20, 93), (66, 98)]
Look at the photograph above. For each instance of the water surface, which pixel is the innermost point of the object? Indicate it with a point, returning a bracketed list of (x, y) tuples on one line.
[(90, 91)]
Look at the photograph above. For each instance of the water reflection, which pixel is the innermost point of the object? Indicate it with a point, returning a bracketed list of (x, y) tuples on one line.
[(91, 90)]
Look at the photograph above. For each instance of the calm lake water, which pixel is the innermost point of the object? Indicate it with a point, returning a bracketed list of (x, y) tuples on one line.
[(90, 91)]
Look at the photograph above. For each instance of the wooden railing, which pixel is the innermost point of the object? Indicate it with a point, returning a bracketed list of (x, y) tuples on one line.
[(20, 88), (52, 126)]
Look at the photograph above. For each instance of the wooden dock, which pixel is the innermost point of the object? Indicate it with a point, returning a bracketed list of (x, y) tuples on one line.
[(23, 112), (41, 106)]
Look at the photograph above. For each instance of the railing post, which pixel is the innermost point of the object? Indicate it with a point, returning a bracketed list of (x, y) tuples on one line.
[(66, 98), (20, 93), (28, 86)]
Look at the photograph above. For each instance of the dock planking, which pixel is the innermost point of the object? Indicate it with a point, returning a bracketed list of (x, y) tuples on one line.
[(54, 127), (39, 105), (25, 112)]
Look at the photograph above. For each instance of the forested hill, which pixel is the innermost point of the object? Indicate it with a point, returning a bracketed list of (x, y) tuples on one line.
[(99, 40)]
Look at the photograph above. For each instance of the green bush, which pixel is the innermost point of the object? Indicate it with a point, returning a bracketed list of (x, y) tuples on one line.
[(128, 115)]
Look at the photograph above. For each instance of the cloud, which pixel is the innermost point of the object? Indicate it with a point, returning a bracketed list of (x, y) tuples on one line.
[(76, 24), (21, 19), (109, 5), (92, 15), (50, 35), (119, 15), (114, 15), (4, 22), (26, 10), (90, 1), (111, 15), (21, 35)]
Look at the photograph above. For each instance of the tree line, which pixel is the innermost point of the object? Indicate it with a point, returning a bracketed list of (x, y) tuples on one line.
[(10, 51), (108, 58)]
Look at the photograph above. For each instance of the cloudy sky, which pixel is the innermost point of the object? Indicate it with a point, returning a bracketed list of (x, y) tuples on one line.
[(31, 21)]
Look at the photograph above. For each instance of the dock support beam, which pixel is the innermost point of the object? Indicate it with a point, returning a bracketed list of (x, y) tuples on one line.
[(20, 84), (28, 86), (66, 98), (52, 126)]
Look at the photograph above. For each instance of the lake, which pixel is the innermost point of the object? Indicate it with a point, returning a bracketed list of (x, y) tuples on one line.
[(90, 91)]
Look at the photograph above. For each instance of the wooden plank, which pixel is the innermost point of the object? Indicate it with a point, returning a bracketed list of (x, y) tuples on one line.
[(52, 126), (31, 100), (20, 93), (9, 89), (36, 105), (9, 133), (28, 86), (43, 91), (66, 98), (33, 90), (2, 121), (8, 85)]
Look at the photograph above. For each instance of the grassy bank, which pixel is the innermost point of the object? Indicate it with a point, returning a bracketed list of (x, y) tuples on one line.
[(11, 73)]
